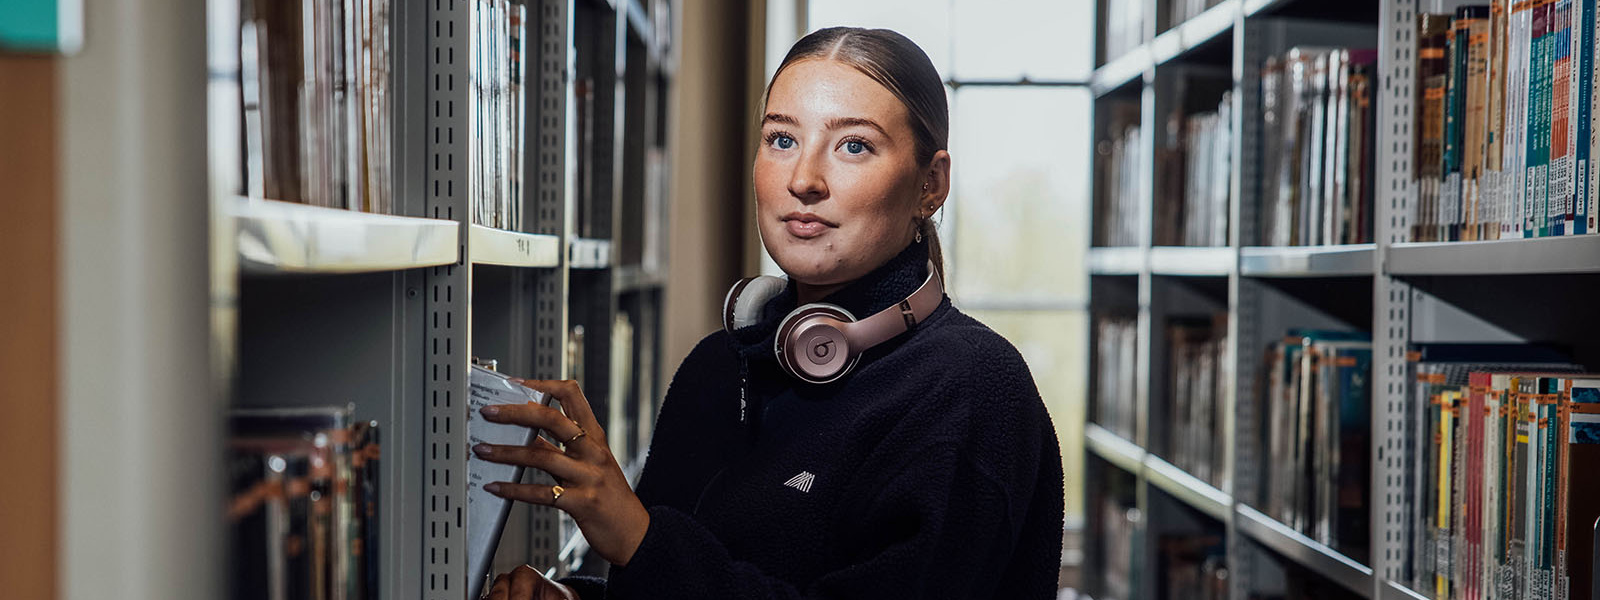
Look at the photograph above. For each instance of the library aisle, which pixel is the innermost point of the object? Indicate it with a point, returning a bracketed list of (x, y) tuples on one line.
[(1305, 286)]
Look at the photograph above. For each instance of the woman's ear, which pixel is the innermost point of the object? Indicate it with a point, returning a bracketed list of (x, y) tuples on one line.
[(935, 184)]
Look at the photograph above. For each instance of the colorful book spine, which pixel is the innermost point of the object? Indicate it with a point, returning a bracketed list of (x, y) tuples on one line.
[(1538, 121), (1433, 73), (1560, 170)]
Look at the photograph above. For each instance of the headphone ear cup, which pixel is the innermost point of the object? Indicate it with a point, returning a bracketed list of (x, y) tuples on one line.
[(742, 307), (812, 347)]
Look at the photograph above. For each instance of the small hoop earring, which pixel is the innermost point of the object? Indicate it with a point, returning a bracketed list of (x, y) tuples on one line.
[(919, 230)]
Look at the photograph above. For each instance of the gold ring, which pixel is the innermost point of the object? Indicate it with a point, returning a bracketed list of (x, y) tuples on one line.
[(580, 434), (556, 492)]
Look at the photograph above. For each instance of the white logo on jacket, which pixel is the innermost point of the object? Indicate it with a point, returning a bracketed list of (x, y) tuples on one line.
[(802, 481)]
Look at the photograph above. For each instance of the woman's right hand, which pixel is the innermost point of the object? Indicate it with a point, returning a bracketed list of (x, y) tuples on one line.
[(525, 583)]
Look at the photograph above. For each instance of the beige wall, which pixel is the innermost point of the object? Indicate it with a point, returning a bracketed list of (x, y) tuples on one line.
[(711, 112)]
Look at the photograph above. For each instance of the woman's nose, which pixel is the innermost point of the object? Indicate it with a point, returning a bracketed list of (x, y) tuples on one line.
[(807, 182)]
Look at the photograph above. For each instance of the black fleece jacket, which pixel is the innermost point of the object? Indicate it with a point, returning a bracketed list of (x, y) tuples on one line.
[(931, 471)]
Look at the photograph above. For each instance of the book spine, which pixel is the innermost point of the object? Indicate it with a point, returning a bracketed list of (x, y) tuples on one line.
[(1560, 170), (1476, 127), (1494, 122), (1583, 29)]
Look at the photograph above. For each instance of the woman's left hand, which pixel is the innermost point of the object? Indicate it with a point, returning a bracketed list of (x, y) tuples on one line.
[(591, 486)]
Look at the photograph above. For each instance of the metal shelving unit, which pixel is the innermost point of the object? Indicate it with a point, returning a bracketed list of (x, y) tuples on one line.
[(1362, 287), (385, 312), (1400, 291)]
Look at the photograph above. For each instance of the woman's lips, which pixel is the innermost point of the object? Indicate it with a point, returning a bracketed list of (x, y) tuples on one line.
[(806, 226)]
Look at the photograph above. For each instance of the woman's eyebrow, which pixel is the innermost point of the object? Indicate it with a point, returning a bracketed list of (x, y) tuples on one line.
[(843, 122), (780, 118)]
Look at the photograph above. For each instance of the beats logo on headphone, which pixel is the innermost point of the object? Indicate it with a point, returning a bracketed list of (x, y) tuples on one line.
[(819, 343)]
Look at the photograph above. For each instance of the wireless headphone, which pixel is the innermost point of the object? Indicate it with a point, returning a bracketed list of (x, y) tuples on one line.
[(819, 342)]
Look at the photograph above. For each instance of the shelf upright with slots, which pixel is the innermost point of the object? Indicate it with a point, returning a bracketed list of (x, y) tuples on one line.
[(1391, 415)]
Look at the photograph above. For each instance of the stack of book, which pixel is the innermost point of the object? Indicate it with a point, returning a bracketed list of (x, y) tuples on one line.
[(1197, 353), (315, 85), (1504, 120), (1502, 507), (1118, 200), (1318, 113), (1116, 351), (1193, 567), (1124, 28), (495, 113), (1318, 396), (1196, 157), (303, 513)]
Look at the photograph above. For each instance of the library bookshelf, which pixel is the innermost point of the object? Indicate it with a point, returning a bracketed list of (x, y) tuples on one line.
[(385, 313), (1395, 291)]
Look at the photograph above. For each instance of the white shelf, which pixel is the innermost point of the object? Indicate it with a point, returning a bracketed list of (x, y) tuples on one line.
[(1120, 71), (585, 253), (284, 237), (1566, 254), (1206, 27), (1394, 591), (1116, 450), (1187, 488), (490, 246), (1192, 261), (1306, 261), (1307, 552), (1126, 260)]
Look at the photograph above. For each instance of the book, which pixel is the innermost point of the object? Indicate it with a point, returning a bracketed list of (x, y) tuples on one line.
[(1116, 349), (304, 503), (486, 512), (1433, 65)]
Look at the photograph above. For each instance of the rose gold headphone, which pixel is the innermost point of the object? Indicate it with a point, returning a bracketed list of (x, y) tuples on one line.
[(819, 342)]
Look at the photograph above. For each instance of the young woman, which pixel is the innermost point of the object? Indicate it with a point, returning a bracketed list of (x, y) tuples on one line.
[(929, 470)]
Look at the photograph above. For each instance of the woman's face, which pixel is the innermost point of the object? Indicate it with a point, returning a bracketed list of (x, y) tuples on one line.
[(838, 188)]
